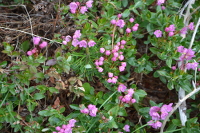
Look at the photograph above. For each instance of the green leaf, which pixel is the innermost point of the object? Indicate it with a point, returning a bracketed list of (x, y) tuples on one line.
[(170, 85), (163, 73), (39, 75), (112, 123), (139, 94), (126, 13), (176, 122), (150, 28), (122, 112), (53, 90), (88, 66), (149, 2), (3, 64), (88, 88), (169, 62), (124, 3), (25, 45), (47, 112), (38, 96), (75, 106), (114, 111)]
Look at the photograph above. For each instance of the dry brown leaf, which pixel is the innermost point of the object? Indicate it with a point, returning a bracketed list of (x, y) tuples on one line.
[(56, 103)]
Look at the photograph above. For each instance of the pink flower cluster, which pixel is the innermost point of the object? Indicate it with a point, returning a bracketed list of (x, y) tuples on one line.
[(187, 54), (91, 110), (119, 22), (66, 128), (76, 42), (36, 41), (159, 2), (185, 29), (75, 6), (116, 55), (171, 30), (129, 94), (158, 113), (126, 128), (134, 28), (112, 79)]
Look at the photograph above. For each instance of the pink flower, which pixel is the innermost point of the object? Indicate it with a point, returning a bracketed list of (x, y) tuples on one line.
[(126, 128), (114, 59), (114, 80), (102, 50), (82, 43), (120, 23), (121, 68), (130, 91), (180, 49), (34, 50), (159, 2), (93, 110), (77, 34), (133, 100), (187, 54), (155, 124), (110, 75), (83, 9), (116, 48), (64, 42), (113, 22), (72, 122), (100, 63), (96, 63), (122, 47), (58, 128), (85, 111), (158, 33), (101, 58), (171, 33), (154, 113), (119, 15), (166, 108), (121, 57), (89, 3), (172, 28), (193, 65), (121, 88), (108, 52), (43, 44), (164, 115), (73, 6), (109, 80), (127, 98), (128, 30), (100, 69), (191, 26), (173, 67), (36, 40), (167, 29), (123, 64), (68, 38), (29, 53), (115, 54), (91, 43), (131, 20), (135, 27), (163, 7), (75, 42), (123, 42), (184, 30)]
